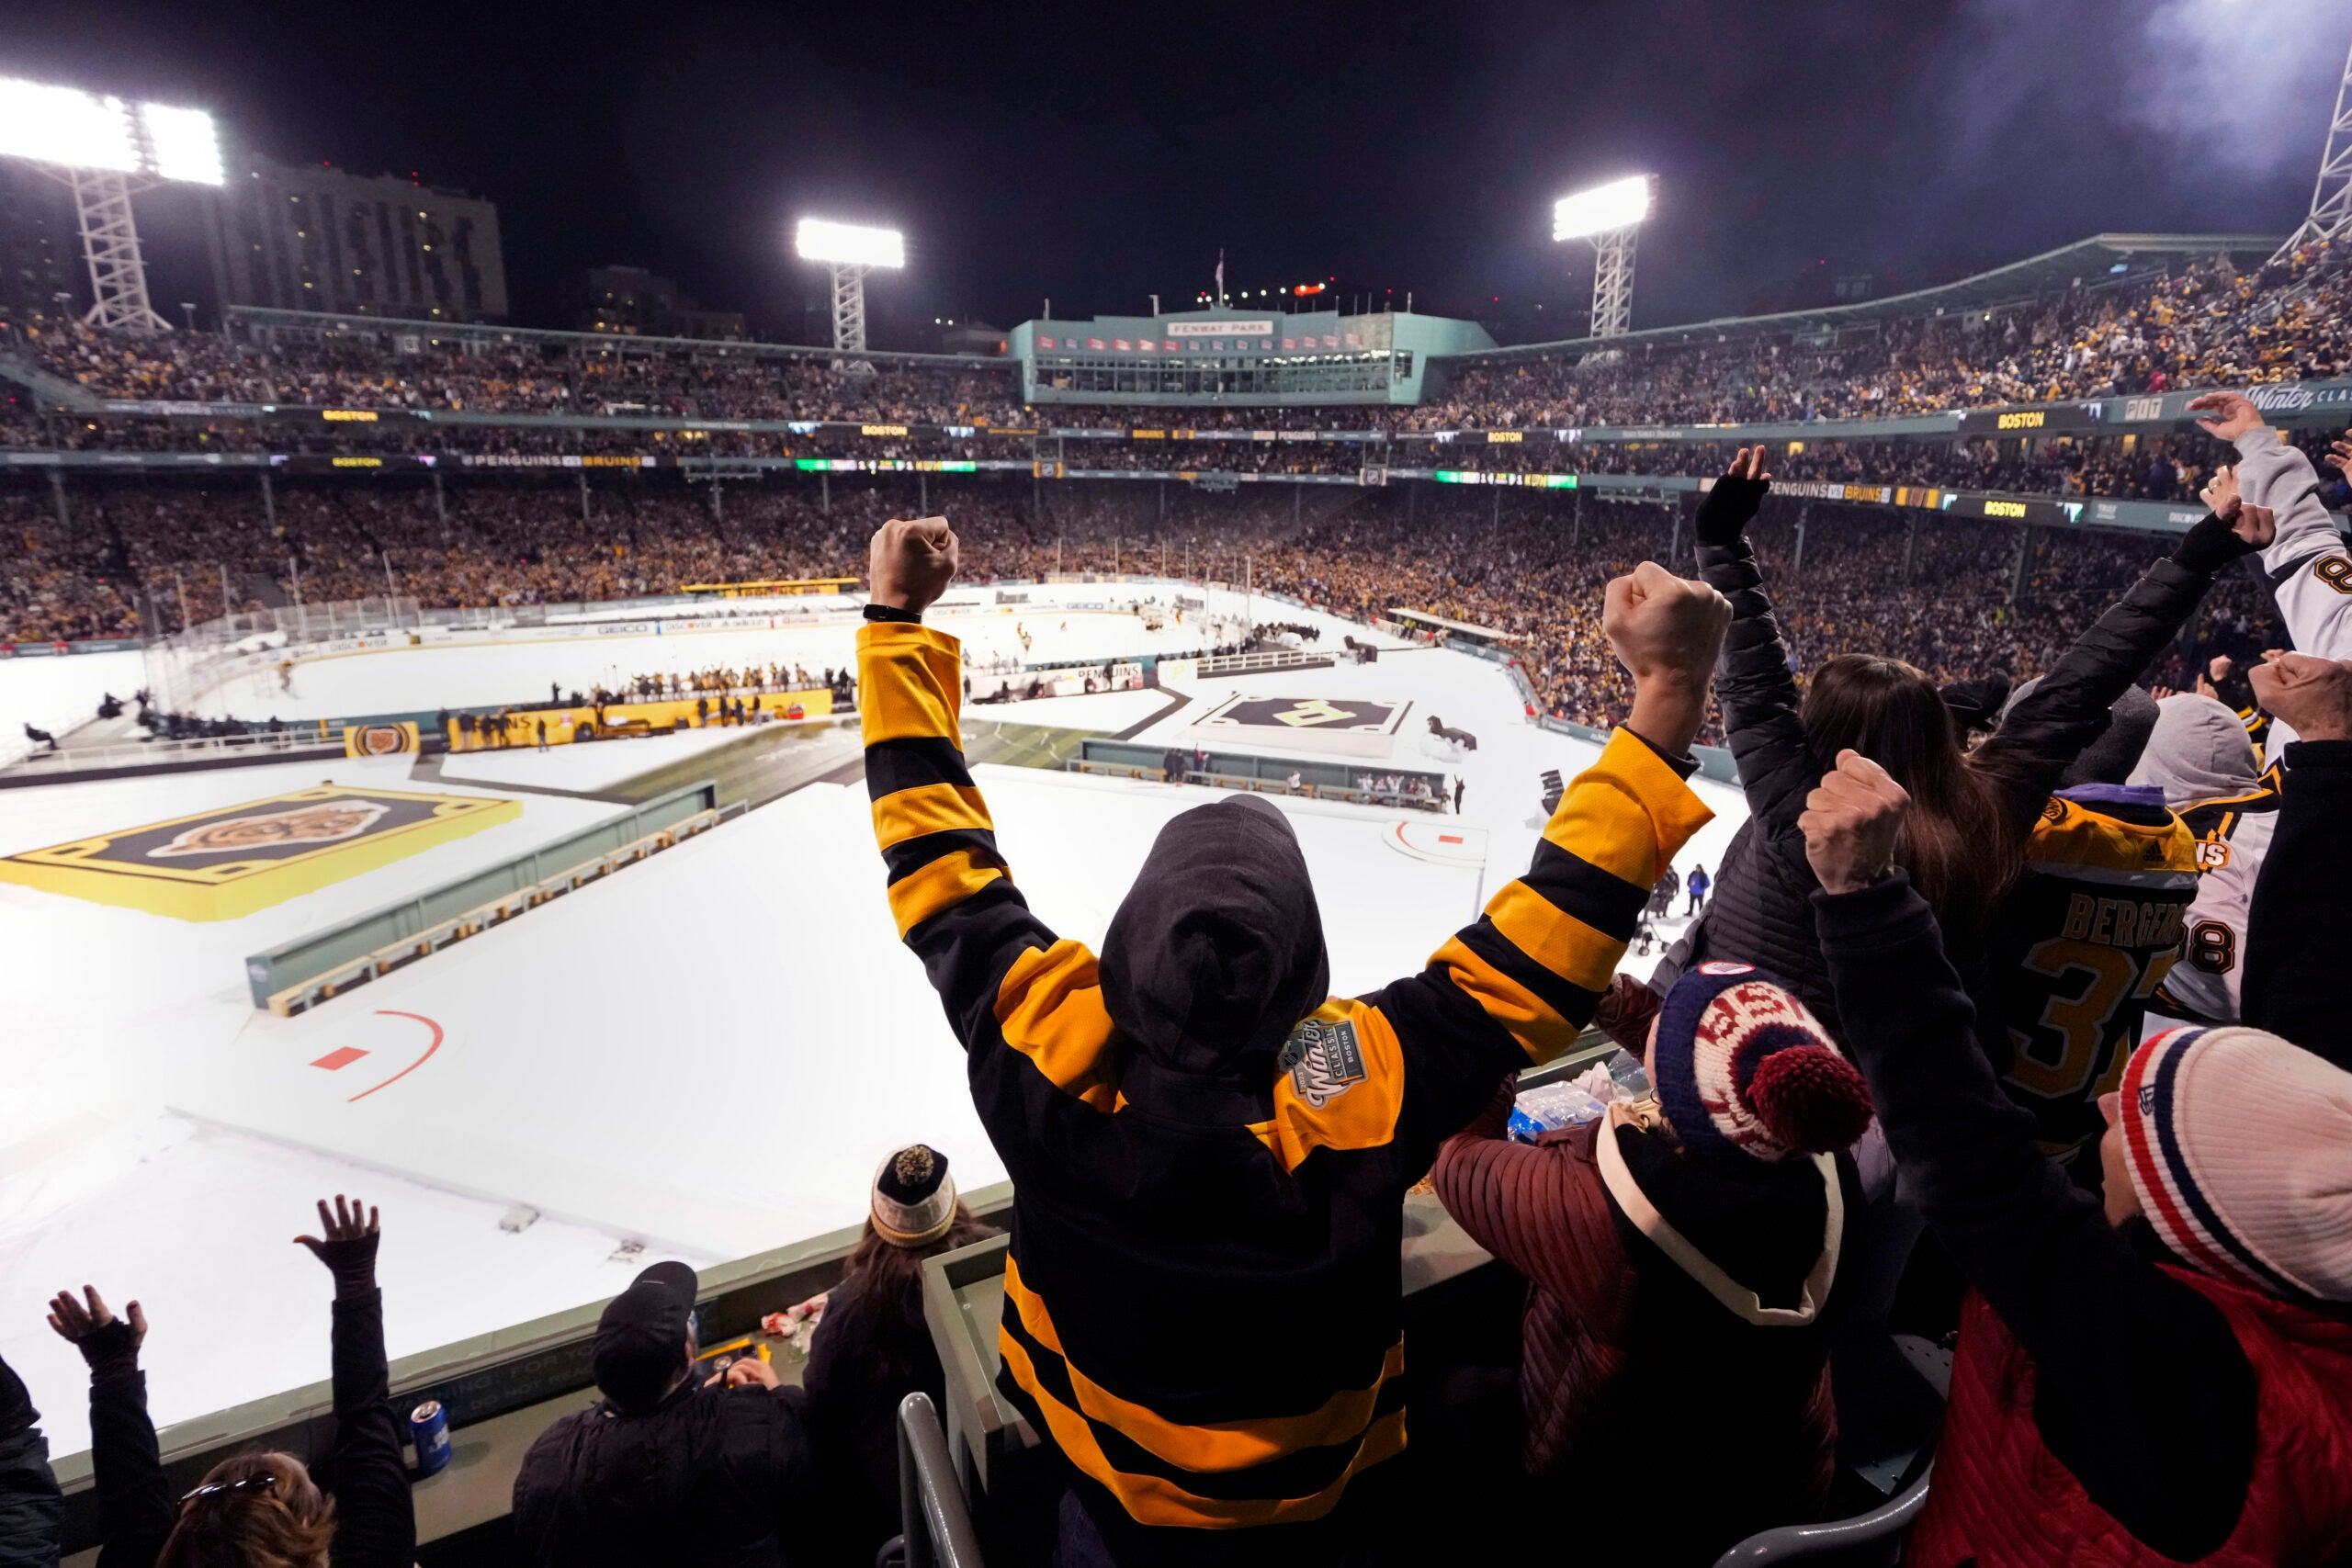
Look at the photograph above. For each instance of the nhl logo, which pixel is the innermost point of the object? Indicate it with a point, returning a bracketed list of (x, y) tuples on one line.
[(381, 741)]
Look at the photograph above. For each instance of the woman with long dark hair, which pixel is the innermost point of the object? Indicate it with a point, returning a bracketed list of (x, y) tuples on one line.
[(1972, 811), (873, 1348), (255, 1510)]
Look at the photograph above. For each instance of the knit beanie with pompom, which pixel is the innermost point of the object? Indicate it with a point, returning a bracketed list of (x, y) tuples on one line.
[(1742, 1067), (915, 1202)]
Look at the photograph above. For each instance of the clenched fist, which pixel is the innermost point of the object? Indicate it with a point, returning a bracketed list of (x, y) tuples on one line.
[(1667, 630), (1850, 823), (1664, 626), (912, 562)]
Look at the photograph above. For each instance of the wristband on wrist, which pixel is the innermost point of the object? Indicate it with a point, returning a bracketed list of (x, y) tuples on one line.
[(892, 613), (2208, 546), (111, 1349)]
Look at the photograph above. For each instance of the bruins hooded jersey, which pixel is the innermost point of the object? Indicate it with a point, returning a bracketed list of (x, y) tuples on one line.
[(2231, 836), (1202, 1312), (2080, 945)]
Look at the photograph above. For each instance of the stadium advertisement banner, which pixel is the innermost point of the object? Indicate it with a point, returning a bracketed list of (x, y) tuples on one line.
[(1531, 481), (2013, 509), (1816, 489), (561, 460), (2032, 421), (884, 466)]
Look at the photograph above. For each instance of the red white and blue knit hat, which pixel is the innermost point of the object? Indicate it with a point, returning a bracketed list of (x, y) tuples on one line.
[(2239, 1148), (1741, 1066)]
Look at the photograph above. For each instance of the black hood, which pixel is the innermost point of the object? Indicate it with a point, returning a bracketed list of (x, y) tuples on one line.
[(1217, 949)]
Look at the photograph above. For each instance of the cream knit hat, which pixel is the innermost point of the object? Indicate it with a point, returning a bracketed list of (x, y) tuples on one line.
[(2239, 1148)]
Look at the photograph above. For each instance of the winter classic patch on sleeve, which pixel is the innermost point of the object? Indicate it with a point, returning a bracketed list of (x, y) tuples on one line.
[(1324, 1060), (1341, 1085)]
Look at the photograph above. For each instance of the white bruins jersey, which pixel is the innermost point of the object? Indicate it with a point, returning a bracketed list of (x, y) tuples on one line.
[(2233, 836)]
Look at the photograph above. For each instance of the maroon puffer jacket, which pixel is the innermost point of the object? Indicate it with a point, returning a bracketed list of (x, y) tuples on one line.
[(1630, 1364)]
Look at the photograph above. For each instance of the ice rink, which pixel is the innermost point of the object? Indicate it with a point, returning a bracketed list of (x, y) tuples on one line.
[(705, 1055), (518, 672)]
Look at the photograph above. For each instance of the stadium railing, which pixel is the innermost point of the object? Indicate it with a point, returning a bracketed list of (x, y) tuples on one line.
[(500, 1390)]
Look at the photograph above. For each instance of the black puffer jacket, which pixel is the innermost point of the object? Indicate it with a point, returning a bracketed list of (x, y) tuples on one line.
[(710, 1478), (1761, 912), (30, 1508)]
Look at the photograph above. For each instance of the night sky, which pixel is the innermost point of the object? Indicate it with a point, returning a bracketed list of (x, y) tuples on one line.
[(1095, 154)]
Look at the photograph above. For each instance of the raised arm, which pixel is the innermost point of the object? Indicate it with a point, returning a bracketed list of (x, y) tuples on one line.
[(136, 1510), (1027, 1007), (362, 1468), (2041, 737), (1515, 987), (2168, 1458), (2307, 567), (2298, 943), (1755, 689)]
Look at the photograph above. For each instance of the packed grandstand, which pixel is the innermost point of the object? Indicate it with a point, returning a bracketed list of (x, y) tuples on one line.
[(1198, 1333), (562, 468)]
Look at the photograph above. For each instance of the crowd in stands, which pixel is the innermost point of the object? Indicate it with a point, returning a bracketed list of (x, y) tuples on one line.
[(1863, 1087), (1517, 564), (713, 381), (2210, 323), (1872, 1080), (688, 1459)]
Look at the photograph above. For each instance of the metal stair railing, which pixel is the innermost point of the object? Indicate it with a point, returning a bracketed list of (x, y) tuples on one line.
[(937, 1525)]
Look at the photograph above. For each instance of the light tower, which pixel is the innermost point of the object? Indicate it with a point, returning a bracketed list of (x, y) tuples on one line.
[(105, 150), (1610, 216), (2331, 211), (851, 253)]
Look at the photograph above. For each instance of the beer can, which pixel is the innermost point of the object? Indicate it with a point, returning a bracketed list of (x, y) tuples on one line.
[(428, 1430)]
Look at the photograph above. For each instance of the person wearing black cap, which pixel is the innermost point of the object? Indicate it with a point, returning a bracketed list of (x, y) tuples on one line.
[(665, 1469), (1209, 1153), (872, 1348)]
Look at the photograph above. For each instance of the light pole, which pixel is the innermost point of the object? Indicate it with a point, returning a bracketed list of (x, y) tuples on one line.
[(1610, 216), (2331, 211), (850, 251), (105, 150)]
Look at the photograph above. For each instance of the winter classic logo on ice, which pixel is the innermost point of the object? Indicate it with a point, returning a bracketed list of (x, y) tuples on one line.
[(1324, 1061)]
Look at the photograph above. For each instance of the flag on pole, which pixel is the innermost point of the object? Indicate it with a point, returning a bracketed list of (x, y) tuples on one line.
[(1220, 278)]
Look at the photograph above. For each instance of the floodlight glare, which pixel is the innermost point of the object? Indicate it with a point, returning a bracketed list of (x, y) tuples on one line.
[(1619, 204), (108, 150), (89, 131), (183, 143), (849, 244)]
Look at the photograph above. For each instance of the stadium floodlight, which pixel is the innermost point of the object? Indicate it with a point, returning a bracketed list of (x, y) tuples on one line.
[(849, 243), (851, 251), (1610, 216), (106, 149)]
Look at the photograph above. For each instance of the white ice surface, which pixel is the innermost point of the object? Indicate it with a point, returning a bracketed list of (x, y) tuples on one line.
[(57, 693), (196, 1224), (707, 1052), (1105, 712), (479, 674)]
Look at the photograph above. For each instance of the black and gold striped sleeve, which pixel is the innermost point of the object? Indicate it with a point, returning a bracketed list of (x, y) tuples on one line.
[(950, 891), (1517, 986)]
